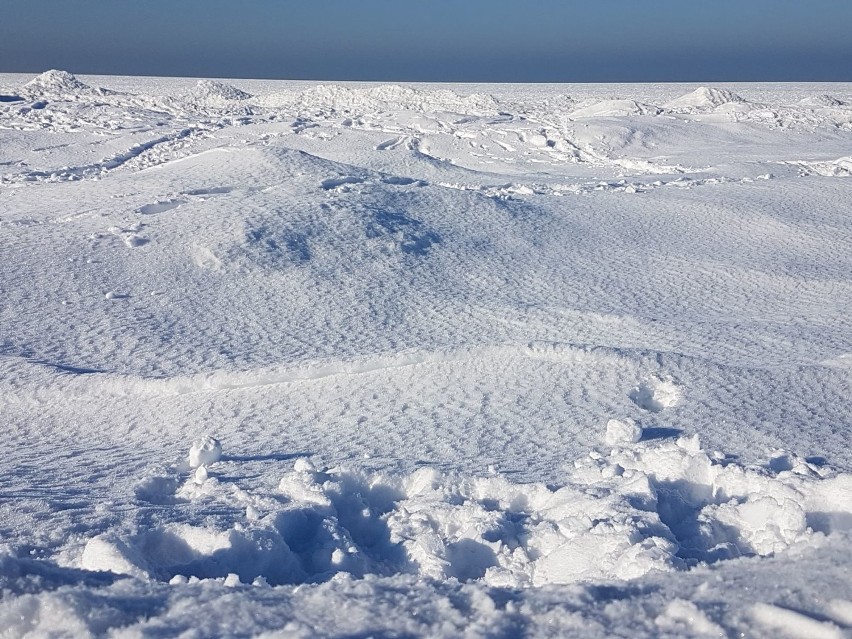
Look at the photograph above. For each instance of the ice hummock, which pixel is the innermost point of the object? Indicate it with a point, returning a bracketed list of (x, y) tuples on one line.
[(58, 82), (705, 98), (616, 108), (212, 89)]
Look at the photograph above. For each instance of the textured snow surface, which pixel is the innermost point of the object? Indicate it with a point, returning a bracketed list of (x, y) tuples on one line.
[(286, 359)]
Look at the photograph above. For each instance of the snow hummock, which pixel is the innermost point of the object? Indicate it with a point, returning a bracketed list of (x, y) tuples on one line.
[(704, 98), (207, 89), (386, 97), (822, 100), (57, 82), (622, 431)]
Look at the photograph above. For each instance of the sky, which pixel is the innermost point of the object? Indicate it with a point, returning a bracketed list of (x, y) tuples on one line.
[(434, 40)]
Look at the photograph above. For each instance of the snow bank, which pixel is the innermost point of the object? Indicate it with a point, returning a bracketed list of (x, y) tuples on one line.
[(640, 507)]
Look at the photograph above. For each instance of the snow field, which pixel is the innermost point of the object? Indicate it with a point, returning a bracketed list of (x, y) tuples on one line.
[(466, 357)]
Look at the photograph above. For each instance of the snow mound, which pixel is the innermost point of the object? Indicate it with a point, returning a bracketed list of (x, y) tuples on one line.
[(705, 98), (616, 108), (57, 82), (823, 100), (621, 514), (210, 89), (622, 431)]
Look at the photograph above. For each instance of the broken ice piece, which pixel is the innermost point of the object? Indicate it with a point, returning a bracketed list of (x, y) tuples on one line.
[(204, 451), (622, 431)]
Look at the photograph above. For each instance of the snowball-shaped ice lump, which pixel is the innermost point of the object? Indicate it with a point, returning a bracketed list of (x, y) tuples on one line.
[(622, 431), (204, 451)]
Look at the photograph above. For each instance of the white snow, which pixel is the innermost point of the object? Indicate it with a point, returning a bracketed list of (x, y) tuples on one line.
[(484, 360), (622, 431), (204, 451), (704, 98)]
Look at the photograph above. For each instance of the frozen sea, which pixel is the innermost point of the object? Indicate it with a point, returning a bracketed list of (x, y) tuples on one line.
[(290, 359)]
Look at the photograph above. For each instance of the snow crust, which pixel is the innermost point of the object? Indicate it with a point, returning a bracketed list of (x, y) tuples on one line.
[(479, 360)]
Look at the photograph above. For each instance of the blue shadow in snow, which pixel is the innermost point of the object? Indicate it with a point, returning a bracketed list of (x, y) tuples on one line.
[(649, 434)]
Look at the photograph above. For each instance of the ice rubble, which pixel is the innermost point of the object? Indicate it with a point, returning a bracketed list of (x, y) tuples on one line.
[(389, 97), (637, 508), (211, 89)]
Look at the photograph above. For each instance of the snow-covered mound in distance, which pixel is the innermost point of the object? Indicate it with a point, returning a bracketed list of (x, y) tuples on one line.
[(638, 508), (61, 83), (387, 98), (822, 100), (841, 167), (211, 89), (616, 108), (705, 98)]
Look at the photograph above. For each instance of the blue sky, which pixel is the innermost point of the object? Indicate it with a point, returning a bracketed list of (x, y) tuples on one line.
[(434, 40)]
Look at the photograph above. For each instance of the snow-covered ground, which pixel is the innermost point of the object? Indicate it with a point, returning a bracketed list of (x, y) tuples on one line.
[(358, 360)]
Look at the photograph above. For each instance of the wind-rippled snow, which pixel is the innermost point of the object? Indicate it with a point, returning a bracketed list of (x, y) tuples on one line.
[(424, 360)]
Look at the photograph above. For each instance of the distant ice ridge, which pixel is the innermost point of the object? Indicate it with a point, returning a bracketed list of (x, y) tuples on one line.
[(822, 100), (386, 97), (636, 508), (704, 98)]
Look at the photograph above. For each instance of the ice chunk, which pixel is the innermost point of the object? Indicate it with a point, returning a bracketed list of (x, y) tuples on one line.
[(111, 554), (204, 451), (622, 431)]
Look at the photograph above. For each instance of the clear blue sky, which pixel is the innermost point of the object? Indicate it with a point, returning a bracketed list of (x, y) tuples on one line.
[(434, 40)]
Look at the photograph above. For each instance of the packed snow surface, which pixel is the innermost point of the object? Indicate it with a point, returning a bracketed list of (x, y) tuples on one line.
[(300, 360)]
